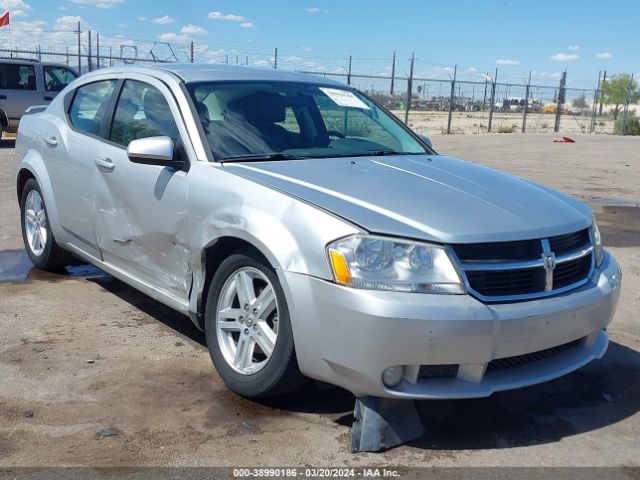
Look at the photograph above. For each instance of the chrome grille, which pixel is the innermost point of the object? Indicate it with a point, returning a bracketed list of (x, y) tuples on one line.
[(521, 270)]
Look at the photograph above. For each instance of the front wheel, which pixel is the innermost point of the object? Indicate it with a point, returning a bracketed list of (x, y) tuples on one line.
[(41, 247), (248, 329)]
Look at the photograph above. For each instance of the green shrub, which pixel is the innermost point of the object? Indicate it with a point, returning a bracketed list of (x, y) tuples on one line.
[(630, 126)]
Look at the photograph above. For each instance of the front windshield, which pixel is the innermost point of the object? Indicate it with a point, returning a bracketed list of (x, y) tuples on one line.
[(295, 120)]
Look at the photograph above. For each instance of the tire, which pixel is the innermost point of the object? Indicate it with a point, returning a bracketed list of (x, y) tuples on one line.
[(45, 254), (261, 374)]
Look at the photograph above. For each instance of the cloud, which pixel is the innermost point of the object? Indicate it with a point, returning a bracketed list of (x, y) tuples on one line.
[(574, 47), (564, 57), (229, 17), (306, 49), (17, 7), (68, 23), (604, 55), (143, 19), (104, 4), (293, 58), (193, 30), (261, 63), (472, 69), (506, 61), (315, 10), (163, 20), (171, 37), (247, 25)]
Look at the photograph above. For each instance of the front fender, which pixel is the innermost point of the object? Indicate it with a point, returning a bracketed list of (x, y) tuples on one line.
[(291, 234)]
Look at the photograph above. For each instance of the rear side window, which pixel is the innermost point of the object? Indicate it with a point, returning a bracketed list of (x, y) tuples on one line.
[(141, 112), (17, 77), (56, 78), (89, 107)]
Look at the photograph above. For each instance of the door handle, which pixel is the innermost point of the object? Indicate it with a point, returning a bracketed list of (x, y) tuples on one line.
[(48, 98), (51, 141), (105, 164)]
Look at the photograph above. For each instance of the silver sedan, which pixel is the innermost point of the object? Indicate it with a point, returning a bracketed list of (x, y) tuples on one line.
[(312, 235)]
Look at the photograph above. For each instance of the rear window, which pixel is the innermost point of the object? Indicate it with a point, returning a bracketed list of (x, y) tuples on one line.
[(17, 77), (89, 106)]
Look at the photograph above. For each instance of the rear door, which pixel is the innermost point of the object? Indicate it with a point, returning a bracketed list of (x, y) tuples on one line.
[(141, 210), (18, 90), (70, 147)]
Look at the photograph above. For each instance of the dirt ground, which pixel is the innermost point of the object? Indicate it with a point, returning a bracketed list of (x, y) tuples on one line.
[(83, 352), (430, 122)]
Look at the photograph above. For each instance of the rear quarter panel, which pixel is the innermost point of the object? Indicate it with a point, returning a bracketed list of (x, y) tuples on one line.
[(29, 157)]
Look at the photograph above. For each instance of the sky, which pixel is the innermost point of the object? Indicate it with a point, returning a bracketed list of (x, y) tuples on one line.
[(542, 36)]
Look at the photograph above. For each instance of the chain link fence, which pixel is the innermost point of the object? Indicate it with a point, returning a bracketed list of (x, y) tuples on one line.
[(428, 105)]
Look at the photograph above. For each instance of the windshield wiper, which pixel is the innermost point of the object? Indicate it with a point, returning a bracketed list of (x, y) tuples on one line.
[(384, 153), (261, 157), (375, 153)]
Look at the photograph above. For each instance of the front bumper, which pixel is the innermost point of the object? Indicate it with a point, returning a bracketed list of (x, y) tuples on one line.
[(348, 337)]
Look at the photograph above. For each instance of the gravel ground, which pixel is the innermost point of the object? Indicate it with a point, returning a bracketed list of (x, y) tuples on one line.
[(82, 352)]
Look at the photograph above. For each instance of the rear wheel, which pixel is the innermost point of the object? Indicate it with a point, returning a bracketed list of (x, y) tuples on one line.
[(41, 247), (248, 329)]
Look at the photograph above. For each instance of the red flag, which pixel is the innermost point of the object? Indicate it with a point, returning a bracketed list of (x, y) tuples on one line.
[(4, 20)]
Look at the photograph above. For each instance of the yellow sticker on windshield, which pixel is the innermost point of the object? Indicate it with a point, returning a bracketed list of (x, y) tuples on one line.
[(344, 98)]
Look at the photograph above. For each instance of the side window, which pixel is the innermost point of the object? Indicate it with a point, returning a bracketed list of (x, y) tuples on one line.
[(141, 112), (56, 78), (17, 77), (89, 107)]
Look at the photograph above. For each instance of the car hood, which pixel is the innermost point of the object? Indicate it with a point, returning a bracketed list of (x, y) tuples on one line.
[(435, 197)]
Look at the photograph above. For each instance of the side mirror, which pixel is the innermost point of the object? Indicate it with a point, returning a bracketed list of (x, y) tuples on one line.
[(151, 151), (426, 140)]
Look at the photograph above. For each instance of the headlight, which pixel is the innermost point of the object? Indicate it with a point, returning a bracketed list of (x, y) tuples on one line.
[(598, 249), (378, 263)]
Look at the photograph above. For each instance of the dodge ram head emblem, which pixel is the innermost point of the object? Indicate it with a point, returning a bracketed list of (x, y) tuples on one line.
[(549, 263)]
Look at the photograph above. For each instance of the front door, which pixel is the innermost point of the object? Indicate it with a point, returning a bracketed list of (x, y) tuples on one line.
[(140, 210)]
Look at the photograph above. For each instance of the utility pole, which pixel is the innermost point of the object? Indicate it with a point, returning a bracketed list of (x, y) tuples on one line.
[(526, 105), (97, 51), (393, 73), (484, 99), (409, 88), (349, 74), (604, 80), (227, 59), (594, 111), (67, 55), (493, 99), (111, 56), (89, 59), (237, 61), (192, 57), (452, 97), (275, 59), (560, 102), (79, 50), (246, 60)]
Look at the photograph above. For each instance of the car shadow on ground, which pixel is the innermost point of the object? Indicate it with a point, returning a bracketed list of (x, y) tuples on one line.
[(602, 393), (10, 143)]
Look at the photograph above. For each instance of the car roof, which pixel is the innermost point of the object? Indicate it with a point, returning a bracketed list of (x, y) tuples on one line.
[(23, 61), (192, 73)]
